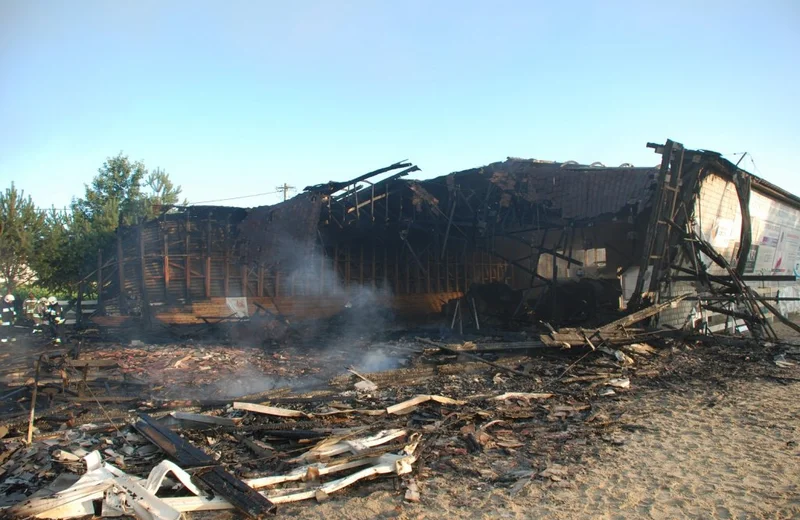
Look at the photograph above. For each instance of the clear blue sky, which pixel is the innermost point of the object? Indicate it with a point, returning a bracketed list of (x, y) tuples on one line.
[(234, 98)]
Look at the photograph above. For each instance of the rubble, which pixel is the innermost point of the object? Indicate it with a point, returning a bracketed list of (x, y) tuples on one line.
[(282, 447)]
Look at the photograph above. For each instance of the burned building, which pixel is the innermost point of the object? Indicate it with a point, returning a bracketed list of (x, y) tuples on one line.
[(565, 242)]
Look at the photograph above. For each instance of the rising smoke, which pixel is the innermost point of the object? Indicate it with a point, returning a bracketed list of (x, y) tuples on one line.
[(349, 338)]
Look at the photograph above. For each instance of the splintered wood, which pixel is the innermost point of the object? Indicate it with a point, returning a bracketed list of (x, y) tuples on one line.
[(411, 404), (268, 410)]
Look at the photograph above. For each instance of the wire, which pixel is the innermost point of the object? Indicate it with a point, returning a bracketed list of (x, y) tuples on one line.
[(48, 210), (67, 210), (756, 168), (235, 198)]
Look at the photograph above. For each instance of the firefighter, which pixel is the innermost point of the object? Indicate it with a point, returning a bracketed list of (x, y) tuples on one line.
[(55, 318), (29, 306), (39, 315), (8, 313)]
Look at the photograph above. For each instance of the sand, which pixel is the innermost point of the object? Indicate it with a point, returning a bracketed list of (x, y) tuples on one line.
[(698, 452)]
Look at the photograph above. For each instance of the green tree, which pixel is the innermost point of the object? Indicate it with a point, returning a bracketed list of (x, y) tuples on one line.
[(60, 257), (163, 192), (123, 193), (21, 228)]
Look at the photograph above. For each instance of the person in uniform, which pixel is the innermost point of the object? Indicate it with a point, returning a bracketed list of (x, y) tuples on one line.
[(7, 314), (55, 318), (29, 306), (39, 315)]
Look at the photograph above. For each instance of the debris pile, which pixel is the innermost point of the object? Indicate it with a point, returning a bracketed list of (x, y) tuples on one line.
[(507, 413)]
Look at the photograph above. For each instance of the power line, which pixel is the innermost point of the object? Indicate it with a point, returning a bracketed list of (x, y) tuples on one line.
[(281, 190), (48, 210), (234, 198), (755, 167)]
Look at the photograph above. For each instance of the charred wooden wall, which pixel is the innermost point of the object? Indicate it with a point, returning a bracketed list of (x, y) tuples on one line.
[(184, 265)]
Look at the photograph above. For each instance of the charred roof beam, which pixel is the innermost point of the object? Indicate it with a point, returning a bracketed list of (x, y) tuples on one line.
[(334, 186)]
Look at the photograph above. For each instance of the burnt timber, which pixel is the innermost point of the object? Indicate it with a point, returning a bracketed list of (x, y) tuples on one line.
[(633, 235)]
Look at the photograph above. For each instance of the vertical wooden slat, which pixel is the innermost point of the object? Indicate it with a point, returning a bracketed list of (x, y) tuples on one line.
[(187, 266), (145, 296), (361, 265), (418, 278), (79, 306), (396, 271), (123, 294), (455, 269), (225, 273), (428, 273), (166, 268), (408, 273), (208, 277), (374, 275), (336, 273), (245, 280), (322, 272), (385, 267), (208, 258), (347, 268), (260, 285), (187, 262), (447, 271), (100, 306)]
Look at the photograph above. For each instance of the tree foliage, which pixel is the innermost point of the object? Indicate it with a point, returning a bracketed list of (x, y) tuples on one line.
[(123, 193), (21, 229)]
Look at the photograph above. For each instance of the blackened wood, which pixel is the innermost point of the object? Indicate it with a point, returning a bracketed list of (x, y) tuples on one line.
[(240, 495)]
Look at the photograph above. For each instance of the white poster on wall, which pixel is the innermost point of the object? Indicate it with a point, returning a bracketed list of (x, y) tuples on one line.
[(765, 259), (238, 306), (723, 233), (786, 255)]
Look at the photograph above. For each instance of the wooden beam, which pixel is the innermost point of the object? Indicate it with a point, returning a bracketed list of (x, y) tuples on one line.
[(100, 307), (123, 294), (166, 268), (225, 274), (187, 273), (244, 498), (208, 258), (145, 296)]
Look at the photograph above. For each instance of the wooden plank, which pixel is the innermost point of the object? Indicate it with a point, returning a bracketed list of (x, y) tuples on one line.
[(244, 498), (268, 410), (143, 273), (522, 395), (473, 356), (643, 314), (203, 418), (208, 258), (100, 308), (123, 298), (412, 403), (166, 267), (187, 272)]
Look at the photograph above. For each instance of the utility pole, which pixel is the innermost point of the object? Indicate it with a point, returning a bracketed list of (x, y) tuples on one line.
[(285, 189)]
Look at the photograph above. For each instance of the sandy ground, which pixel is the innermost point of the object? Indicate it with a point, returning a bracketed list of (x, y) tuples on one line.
[(699, 454), (721, 449)]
